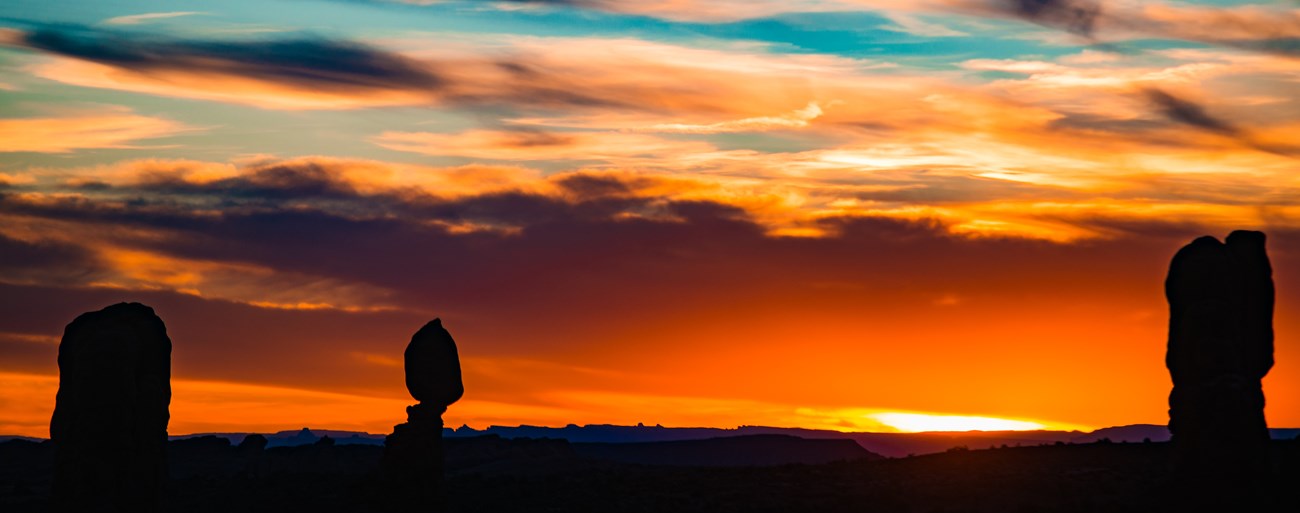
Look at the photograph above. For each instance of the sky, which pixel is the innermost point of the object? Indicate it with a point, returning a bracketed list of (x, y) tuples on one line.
[(817, 213)]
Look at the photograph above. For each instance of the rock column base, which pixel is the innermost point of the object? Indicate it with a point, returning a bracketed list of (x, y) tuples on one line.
[(412, 465)]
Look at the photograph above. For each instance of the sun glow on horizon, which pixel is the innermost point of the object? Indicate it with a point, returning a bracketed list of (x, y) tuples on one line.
[(873, 420), (920, 422)]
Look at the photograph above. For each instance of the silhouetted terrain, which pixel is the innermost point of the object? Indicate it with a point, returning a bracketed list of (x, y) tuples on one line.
[(302, 436), (208, 474), (751, 450), (894, 445)]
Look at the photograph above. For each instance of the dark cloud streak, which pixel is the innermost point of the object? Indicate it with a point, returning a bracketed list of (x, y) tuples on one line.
[(274, 182), (1088, 18), (18, 255), (1189, 113), (313, 62), (45, 261), (1194, 115), (1074, 16), (311, 221), (1284, 46)]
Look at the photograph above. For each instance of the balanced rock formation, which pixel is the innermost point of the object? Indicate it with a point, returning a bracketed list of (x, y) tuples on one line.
[(110, 417), (413, 453), (432, 370), (1220, 347)]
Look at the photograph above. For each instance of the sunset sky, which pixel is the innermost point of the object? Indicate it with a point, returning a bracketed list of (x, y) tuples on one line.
[(831, 214)]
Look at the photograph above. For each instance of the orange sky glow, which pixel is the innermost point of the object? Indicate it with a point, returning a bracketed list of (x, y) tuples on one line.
[(687, 214)]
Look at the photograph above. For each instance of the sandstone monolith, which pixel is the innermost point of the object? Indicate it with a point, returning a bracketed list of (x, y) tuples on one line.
[(110, 417), (1220, 347)]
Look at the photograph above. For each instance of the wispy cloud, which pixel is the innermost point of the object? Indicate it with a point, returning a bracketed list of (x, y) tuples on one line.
[(915, 25), (1075, 16), (538, 145), (1195, 115), (105, 128), (292, 73), (700, 10), (1268, 29), (1262, 28), (532, 73), (794, 120), (136, 19), (1078, 123)]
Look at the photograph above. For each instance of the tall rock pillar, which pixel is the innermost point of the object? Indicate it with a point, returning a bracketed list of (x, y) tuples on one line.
[(110, 417), (1220, 347), (413, 452)]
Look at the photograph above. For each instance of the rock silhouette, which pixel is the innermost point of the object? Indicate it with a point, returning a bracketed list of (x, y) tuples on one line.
[(433, 370), (253, 443), (1220, 347), (413, 453), (110, 417)]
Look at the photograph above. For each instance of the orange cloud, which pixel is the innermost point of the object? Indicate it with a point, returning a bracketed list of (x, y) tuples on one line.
[(1069, 123), (536, 145), (1104, 19), (119, 259), (528, 73), (1037, 187), (714, 11), (109, 129), (797, 119), (181, 83), (136, 19), (1213, 24)]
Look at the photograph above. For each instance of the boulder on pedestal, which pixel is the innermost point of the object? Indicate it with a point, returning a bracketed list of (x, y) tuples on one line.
[(433, 368), (413, 454)]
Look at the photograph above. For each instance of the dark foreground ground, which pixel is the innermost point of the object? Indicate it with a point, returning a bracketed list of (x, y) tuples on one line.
[(491, 474)]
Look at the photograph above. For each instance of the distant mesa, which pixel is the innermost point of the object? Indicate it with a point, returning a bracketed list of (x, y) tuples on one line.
[(1130, 433), (1220, 346), (303, 437), (110, 417), (296, 437)]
